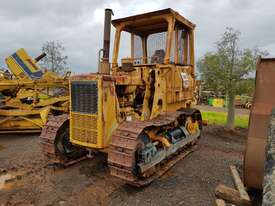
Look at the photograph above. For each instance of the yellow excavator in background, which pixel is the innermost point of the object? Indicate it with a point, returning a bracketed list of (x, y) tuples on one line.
[(137, 110), (29, 95)]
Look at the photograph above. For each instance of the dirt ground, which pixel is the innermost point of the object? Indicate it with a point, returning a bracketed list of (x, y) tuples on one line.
[(191, 182)]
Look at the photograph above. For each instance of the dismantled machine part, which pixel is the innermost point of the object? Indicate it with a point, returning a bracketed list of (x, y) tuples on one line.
[(263, 103), (137, 110), (29, 95)]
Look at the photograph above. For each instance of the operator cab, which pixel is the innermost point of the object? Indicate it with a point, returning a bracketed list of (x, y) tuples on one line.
[(160, 37)]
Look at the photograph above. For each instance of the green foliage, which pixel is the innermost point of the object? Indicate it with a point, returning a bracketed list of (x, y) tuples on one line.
[(219, 118), (55, 60), (245, 87), (211, 73), (224, 69)]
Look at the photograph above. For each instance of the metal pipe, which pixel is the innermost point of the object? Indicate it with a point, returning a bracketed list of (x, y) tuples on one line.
[(107, 34), (41, 56)]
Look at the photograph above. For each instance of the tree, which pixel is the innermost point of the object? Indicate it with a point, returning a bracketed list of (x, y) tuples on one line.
[(225, 69), (55, 60), (246, 86)]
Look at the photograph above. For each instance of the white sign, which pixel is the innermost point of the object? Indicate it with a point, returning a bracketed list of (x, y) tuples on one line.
[(185, 80)]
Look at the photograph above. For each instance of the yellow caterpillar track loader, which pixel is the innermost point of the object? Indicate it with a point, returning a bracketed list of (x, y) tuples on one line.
[(29, 95), (137, 110)]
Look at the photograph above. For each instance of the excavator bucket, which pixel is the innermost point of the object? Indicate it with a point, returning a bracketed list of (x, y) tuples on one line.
[(263, 102)]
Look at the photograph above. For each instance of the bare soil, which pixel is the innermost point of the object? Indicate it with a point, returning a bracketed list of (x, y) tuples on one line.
[(191, 182)]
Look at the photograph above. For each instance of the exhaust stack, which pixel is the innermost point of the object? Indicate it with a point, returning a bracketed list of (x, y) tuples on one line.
[(104, 65)]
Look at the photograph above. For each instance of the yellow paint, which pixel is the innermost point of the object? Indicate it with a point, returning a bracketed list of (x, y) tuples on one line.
[(192, 127), (158, 138), (28, 61), (94, 131), (44, 114), (22, 123), (217, 102), (109, 111), (163, 87), (32, 100)]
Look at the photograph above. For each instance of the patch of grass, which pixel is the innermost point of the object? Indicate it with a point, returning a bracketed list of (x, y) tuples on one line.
[(219, 118)]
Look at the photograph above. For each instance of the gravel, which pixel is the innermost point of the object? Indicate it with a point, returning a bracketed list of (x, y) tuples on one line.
[(191, 181)]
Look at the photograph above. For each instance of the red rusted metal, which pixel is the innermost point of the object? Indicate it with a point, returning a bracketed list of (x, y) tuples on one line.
[(121, 154), (48, 144), (263, 102), (48, 135)]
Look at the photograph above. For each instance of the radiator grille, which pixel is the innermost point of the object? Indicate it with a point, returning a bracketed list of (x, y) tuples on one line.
[(84, 111), (84, 128), (84, 96)]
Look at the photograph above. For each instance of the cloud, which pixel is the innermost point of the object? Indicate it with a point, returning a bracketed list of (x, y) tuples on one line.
[(78, 25)]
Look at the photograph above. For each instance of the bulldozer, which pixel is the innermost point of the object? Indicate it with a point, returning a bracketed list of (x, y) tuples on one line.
[(137, 110), (29, 95)]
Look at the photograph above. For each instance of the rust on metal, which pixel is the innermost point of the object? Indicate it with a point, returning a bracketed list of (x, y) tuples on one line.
[(107, 34), (263, 103), (47, 138), (41, 56), (116, 110), (122, 151), (48, 144), (156, 16)]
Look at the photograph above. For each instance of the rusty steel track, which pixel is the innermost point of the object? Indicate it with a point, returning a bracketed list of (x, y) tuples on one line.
[(122, 151), (47, 138), (48, 142)]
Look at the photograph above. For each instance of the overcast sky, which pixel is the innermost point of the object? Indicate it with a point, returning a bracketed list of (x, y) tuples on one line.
[(78, 25)]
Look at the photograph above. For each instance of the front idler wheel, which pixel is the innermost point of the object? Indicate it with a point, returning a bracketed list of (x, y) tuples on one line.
[(64, 148)]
